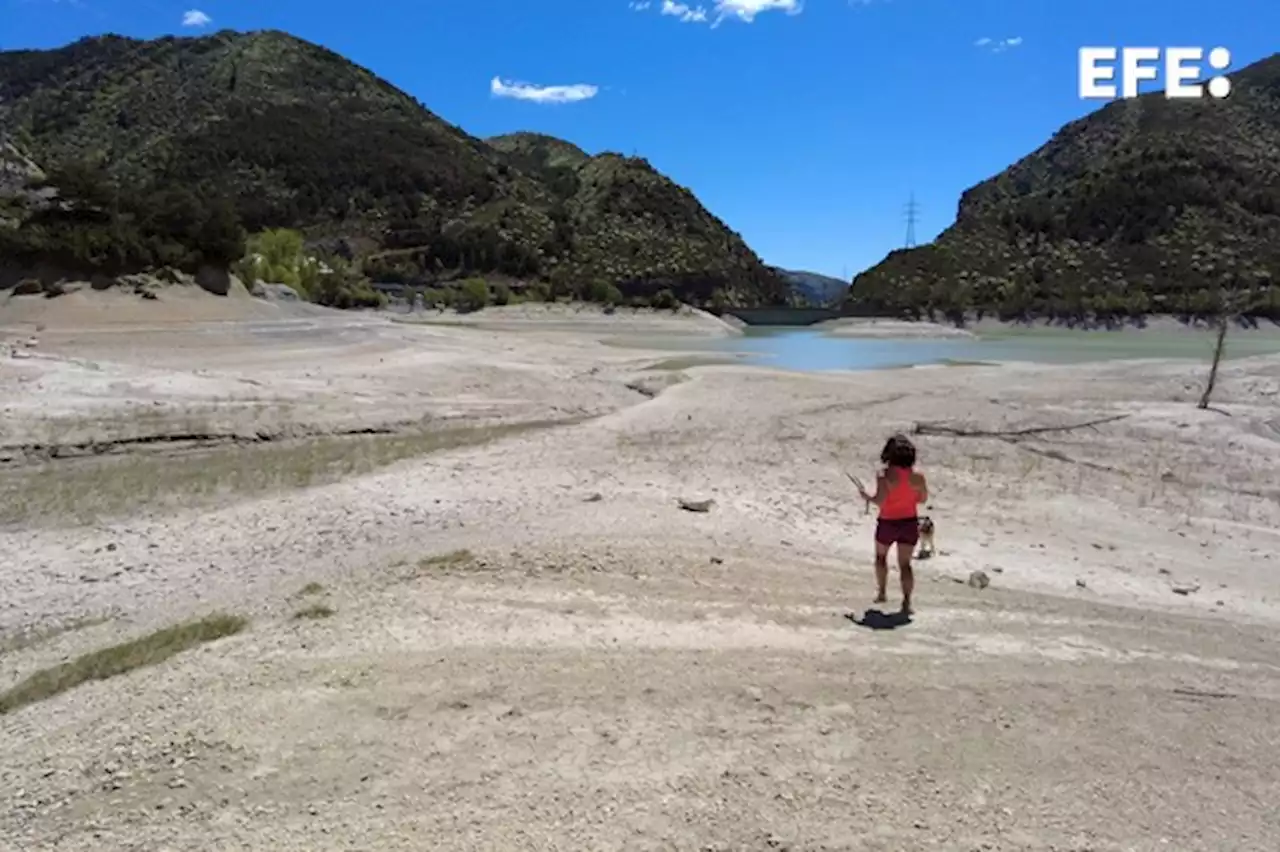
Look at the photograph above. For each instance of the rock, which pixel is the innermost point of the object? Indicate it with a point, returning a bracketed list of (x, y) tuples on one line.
[(1081, 584), (979, 580), (594, 498), (274, 292), (716, 560), (696, 505), (28, 287), (1185, 588), (214, 280)]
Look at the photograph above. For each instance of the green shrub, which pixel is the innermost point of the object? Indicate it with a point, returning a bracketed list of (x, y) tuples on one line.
[(473, 295)]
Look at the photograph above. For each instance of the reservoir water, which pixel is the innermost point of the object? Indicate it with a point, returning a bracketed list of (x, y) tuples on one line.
[(809, 350)]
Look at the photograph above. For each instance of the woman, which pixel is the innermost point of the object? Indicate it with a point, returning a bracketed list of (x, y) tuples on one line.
[(900, 491)]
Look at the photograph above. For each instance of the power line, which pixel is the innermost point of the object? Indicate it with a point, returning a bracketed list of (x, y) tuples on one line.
[(912, 211)]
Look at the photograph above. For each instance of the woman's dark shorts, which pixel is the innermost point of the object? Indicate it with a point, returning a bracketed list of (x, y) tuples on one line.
[(905, 531)]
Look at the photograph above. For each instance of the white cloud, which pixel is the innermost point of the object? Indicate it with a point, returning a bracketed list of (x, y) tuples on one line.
[(542, 94), (196, 18), (685, 14), (746, 10), (998, 45), (721, 10)]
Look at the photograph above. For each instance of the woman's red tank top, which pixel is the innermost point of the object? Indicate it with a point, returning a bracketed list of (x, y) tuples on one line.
[(903, 500)]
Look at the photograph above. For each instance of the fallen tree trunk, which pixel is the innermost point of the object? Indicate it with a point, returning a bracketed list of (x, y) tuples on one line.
[(958, 432)]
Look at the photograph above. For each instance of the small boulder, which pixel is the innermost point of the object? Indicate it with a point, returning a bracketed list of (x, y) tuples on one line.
[(979, 580), (696, 505), (214, 280), (54, 289)]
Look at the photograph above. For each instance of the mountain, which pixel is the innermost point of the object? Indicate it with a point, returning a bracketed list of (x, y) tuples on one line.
[(273, 131), (18, 177), (814, 289), (1148, 205), (631, 226)]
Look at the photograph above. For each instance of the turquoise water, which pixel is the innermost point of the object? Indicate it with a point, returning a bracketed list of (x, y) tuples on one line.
[(809, 350)]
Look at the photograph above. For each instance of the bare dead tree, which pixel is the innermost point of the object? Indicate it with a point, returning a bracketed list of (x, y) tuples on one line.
[(1228, 305), (1223, 322)]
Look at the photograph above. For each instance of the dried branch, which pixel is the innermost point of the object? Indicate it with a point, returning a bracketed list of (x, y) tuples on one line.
[(957, 432)]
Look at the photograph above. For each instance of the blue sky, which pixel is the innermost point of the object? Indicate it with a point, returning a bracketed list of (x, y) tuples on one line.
[(805, 128)]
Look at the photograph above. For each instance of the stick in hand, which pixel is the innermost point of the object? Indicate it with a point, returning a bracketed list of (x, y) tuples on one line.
[(857, 483)]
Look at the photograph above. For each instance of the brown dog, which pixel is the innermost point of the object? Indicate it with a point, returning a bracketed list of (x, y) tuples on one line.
[(926, 538)]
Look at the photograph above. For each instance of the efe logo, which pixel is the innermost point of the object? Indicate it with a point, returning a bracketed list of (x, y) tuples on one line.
[(1181, 65)]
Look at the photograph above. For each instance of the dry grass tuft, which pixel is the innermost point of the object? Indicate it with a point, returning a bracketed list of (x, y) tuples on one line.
[(446, 560), (90, 490), (29, 638), (149, 650)]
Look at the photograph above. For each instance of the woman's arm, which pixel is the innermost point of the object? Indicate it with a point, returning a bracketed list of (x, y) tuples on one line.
[(921, 485), (882, 489)]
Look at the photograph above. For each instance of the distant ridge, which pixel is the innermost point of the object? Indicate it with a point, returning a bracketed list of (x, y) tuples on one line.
[(814, 289)]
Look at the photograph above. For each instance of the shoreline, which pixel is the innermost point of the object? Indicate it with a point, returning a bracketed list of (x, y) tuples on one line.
[(906, 329), (178, 306), (579, 317)]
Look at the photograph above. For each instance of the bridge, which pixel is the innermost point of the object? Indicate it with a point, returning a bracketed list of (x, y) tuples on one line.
[(783, 316)]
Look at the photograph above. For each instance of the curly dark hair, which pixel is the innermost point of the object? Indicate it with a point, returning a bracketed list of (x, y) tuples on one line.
[(899, 452)]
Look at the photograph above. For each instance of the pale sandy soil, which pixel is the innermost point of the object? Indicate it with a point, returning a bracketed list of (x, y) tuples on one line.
[(606, 671), (886, 328), (584, 318)]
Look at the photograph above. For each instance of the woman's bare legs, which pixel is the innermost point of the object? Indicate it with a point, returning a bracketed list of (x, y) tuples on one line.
[(882, 572), (907, 574)]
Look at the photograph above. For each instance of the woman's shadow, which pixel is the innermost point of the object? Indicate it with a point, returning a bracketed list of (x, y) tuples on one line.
[(874, 619)]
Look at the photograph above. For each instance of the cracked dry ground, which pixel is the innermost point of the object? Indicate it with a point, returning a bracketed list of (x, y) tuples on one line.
[(613, 673)]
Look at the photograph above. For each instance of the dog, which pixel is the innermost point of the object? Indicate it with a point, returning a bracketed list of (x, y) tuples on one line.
[(926, 538)]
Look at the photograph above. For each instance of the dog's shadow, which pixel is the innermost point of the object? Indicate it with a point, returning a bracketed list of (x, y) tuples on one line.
[(874, 619)]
